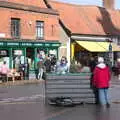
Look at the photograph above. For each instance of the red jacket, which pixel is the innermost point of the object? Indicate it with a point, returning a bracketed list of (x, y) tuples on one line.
[(101, 77)]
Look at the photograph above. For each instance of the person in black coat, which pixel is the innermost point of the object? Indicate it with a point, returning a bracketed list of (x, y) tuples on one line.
[(92, 64), (47, 64)]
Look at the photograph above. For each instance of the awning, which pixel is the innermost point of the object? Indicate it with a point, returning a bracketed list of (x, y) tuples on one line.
[(98, 46)]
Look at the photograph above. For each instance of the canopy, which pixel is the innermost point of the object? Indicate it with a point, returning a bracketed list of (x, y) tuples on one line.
[(98, 46)]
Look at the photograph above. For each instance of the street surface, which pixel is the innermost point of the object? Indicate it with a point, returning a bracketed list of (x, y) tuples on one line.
[(27, 102)]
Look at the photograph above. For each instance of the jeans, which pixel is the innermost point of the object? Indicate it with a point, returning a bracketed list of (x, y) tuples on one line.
[(103, 96), (40, 74)]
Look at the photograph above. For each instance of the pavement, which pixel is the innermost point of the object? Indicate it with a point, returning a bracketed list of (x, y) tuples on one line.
[(24, 100), (21, 82)]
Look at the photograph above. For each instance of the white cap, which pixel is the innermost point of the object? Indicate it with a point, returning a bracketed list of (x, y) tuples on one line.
[(118, 60), (100, 59)]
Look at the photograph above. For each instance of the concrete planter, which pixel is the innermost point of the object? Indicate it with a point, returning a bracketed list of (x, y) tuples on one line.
[(74, 85)]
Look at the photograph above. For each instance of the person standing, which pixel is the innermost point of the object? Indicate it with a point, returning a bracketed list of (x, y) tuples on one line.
[(47, 64), (92, 64), (4, 71), (62, 67), (101, 78), (27, 70), (40, 65)]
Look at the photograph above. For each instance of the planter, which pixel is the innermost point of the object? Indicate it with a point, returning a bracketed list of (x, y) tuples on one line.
[(73, 85)]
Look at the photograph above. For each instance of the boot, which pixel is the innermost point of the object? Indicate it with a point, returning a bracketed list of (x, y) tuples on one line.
[(108, 105)]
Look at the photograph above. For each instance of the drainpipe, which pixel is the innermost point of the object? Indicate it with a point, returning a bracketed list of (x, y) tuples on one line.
[(68, 51)]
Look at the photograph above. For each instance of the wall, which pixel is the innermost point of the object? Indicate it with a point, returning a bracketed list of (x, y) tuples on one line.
[(63, 39), (28, 30)]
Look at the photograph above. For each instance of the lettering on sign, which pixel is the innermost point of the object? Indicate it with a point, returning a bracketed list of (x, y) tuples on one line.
[(12, 44), (1, 43), (47, 45), (55, 45), (38, 44), (26, 44)]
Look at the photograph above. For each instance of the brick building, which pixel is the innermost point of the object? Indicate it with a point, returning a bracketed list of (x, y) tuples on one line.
[(88, 30), (27, 27)]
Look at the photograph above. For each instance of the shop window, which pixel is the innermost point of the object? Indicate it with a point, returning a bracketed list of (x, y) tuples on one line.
[(15, 28), (39, 29)]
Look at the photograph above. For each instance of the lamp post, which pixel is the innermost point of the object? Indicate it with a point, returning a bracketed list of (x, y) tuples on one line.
[(110, 53)]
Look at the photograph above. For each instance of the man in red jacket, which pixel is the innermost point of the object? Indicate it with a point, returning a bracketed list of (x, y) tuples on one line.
[(101, 78)]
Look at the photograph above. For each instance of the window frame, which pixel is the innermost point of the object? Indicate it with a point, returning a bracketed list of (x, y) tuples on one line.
[(40, 30), (15, 28)]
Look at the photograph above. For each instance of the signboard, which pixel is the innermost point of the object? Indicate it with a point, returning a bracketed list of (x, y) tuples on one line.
[(3, 52), (12, 44), (27, 44), (17, 52), (38, 44), (2, 35)]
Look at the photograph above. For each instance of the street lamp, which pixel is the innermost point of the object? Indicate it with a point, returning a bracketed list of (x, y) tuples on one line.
[(110, 53)]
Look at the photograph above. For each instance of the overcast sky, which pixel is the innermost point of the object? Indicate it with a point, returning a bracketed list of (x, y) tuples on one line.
[(90, 2)]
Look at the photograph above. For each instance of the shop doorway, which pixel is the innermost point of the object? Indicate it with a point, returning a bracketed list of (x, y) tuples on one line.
[(18, 58), (30, 58), (4, 56)]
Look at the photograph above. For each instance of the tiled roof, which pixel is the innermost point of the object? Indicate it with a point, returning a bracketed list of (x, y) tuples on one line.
[(91, 20), (31, 8)]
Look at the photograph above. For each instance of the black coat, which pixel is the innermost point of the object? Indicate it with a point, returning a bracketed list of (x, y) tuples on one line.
[(48, 65)]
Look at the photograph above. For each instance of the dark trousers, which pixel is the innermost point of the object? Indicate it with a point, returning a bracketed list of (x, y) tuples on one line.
[(4, 77), (36, 73), (95, 91)]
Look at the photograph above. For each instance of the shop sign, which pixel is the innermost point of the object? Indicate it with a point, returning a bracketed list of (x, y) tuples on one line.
[(3, 52), (26, 44), (2, 35), (17, 52), (55, 45), (12, 44), (38, 44), (53, 52), (47, 45)]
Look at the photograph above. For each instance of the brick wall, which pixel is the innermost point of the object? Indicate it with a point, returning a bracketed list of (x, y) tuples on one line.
[(28, 30)]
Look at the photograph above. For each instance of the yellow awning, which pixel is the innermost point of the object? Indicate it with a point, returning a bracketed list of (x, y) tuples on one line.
[(98, 46)]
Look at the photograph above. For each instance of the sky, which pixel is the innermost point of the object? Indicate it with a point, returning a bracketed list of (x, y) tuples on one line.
[(91, 2)]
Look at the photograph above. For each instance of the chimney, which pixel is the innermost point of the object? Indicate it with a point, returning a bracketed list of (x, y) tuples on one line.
[(109, 4)]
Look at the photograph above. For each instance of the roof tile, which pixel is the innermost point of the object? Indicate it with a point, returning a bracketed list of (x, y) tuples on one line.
[(91, 20)]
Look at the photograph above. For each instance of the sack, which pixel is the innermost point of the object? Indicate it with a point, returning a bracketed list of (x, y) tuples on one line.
[(63, 101)]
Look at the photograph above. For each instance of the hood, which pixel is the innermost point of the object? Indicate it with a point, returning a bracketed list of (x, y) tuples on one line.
[(101, 65)]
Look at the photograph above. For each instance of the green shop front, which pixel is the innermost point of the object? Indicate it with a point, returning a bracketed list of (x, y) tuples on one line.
[(20, 51)]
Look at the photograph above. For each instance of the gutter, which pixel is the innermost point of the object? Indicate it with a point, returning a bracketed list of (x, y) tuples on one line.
[(30, 8)]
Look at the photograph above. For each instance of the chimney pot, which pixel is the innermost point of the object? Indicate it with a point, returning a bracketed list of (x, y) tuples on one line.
[(109, 4)]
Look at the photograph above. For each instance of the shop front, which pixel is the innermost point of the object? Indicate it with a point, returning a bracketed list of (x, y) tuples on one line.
[(84, 50), (21, 52)]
